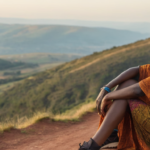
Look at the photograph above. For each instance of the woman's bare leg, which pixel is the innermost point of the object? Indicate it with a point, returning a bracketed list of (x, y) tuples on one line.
[(113, 117)]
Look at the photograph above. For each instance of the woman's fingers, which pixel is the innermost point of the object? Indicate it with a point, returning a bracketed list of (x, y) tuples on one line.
[(99, 105), (104, 104), (99, 100), (103, 108)]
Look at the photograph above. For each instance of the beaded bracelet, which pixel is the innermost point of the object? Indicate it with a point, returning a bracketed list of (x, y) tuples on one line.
[(107, 89)]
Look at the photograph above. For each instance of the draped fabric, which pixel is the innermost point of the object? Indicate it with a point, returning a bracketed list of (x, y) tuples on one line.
[(134, 129)]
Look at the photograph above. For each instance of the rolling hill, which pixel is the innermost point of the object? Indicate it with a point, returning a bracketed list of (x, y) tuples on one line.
[(5, 64), (73, 83), (40, 58), (14, 68), (10, 71), (142, 27), (17, 67), (18, 39)]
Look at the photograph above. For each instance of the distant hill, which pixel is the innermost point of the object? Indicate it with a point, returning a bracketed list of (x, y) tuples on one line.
[(142, 27), (4, 64), (10, 71), (40, 58), (18, 39), (73, 83)]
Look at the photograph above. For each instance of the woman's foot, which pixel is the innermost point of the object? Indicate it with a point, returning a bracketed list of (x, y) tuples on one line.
[(111, 142), (90, 145)]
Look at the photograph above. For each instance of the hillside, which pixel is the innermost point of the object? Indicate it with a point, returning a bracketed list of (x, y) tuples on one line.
[(11, 71), (40, 58), (73, 83), (17, 67), (4, 64), (18, 39)]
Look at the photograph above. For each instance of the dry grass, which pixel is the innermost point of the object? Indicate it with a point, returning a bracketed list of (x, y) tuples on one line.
[(6, 126), (71, 115), (133, 46), (7, 86), (76, 114)]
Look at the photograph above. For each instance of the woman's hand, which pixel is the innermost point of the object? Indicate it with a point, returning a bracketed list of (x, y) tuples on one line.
[(105, 105), (99, 99)]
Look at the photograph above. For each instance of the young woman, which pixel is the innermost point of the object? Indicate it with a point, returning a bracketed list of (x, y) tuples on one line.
[(127, 108)]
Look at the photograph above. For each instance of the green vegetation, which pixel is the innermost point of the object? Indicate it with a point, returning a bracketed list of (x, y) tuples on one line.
[(10, 71), (17, 67), (5, 87), (4, 64), (40, 58), (71, 84)]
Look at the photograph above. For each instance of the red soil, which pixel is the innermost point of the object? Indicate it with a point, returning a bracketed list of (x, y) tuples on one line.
[(48, 135)]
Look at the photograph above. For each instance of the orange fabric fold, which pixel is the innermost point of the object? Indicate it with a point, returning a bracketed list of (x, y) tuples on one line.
[(133, 130)]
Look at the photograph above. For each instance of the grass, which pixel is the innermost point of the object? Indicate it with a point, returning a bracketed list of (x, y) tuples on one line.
[(40, 58), (27, 64), (75, 114), (28, 72), (72, 115), (7, 86)]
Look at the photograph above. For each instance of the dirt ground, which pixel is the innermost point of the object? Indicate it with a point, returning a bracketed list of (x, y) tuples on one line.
[(48, 135)]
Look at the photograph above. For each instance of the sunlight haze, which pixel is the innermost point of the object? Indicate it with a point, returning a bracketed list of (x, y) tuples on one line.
[(98, 10)]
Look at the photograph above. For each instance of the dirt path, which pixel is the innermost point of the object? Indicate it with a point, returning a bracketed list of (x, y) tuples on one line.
[(47, 135)]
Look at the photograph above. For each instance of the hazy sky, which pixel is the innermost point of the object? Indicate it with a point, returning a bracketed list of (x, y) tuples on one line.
[(100, 10)]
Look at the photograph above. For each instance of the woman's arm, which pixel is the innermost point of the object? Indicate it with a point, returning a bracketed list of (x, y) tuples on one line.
[(126, 75), (132, 91)]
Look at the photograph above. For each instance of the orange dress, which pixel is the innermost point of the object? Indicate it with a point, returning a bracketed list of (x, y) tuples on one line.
[(134, 129)]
